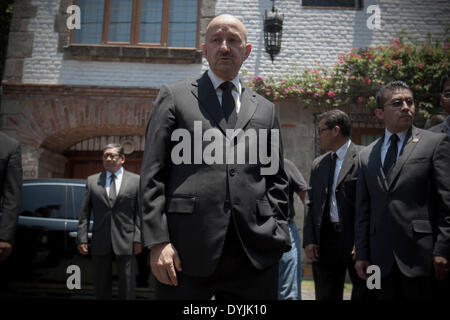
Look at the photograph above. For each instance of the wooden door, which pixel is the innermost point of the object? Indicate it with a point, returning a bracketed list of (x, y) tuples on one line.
[(82, 164)]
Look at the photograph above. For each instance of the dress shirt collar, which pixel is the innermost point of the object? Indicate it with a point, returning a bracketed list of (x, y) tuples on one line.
[(343, 150), (216, 81), (401, 136), (118, 173)]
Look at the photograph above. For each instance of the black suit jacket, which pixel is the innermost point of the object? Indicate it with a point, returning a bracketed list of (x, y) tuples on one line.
[(406, 215), (190, 204), (115, 226), (345, 197), (10, 186)]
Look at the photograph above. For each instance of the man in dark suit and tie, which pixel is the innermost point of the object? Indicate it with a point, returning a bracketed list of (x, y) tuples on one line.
[(328, 232), (216, 226), (10, 192), (403, 201), (112, 197)]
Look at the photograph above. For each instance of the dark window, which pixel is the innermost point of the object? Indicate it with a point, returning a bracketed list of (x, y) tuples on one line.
[(44, 201), (333, 3), (163, 23), (77, 194)]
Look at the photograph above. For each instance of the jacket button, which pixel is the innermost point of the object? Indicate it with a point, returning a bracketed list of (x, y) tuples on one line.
[(232, 172)]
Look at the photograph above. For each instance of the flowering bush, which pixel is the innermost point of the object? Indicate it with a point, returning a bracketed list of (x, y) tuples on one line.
[(358, 75)]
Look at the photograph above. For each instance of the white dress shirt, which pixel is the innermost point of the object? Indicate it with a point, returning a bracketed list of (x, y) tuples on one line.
[(387, 142), (119, 175), (236, 92), (340, 153)]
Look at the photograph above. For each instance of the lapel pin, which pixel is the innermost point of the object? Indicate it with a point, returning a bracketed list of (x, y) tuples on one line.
[(415, 140)]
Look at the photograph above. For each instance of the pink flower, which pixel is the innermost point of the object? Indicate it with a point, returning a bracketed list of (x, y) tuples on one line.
[(316, 94), (389, 66), (331, 94), (360, 99), (315, 72), (308, 91), (420, 65), (258, 78)]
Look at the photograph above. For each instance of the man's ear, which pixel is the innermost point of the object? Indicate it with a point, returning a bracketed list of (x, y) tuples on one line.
[(204, 50), (248, 49), (379, 113), (336, 130)]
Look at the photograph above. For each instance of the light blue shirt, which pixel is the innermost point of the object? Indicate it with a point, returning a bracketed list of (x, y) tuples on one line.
[(387, 143), (119, 175)]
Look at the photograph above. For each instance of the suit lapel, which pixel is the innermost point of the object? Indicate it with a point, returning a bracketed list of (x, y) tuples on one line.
[(102, 187), (123, 184), (375, 163), (204, 91), (347, 164), (411, 139), (248, 107), (324, 176)]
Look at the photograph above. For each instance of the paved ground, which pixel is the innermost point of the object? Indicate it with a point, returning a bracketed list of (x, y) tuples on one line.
[(309, 294)]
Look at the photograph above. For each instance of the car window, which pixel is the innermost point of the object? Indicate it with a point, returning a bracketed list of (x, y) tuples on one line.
[(77, 193), (45, 201)]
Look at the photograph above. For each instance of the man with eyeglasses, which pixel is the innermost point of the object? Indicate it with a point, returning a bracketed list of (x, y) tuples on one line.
[(444, 127), (112, 198), (328, 232), (403, 202)]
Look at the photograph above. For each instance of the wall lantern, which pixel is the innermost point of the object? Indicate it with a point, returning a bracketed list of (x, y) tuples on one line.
[(273, 30)]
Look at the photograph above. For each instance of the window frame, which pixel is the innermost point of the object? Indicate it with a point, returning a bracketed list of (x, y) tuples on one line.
[(359, 7), (135, 27)]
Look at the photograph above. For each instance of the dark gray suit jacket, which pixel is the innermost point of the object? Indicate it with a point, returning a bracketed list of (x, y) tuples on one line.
[(406, 215), (345, 197), (116, 226), (10, 186), (190, 204)]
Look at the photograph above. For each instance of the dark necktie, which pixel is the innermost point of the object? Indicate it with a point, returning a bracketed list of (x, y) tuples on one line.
[(112, 190), (228, 104), (391, 155)]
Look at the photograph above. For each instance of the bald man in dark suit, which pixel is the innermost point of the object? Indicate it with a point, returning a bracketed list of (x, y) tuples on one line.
[(215, 227)]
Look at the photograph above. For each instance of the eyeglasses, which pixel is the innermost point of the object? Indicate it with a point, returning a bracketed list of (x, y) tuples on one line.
[(111, 155), (320, 130), (398, 103), (446, 95)]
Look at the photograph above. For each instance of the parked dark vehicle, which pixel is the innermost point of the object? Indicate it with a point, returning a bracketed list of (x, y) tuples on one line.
[(45, 245)]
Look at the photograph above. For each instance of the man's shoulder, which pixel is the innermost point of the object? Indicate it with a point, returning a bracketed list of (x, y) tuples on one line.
[(131, 175), (179, 85), (260, 98), (319, 159), (94, 177), (437, 128), (357, 147), (8, 141)]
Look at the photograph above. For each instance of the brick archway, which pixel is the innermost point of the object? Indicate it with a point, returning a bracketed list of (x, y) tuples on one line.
[(49, 119)]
